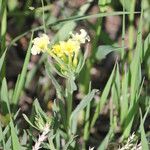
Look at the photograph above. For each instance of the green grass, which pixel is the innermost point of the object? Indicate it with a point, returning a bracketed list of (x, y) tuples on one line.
[(124, 95)]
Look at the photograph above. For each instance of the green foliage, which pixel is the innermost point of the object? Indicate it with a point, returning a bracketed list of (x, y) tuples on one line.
[(103, 98), (103, 50), (69, 120), (83, 104), (21, 79), (2, 60), (143, 135), (14, 137)]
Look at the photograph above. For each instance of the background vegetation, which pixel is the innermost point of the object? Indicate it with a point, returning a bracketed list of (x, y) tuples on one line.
[(33, 95)]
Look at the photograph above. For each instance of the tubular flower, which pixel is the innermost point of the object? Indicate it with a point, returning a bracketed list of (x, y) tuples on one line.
[(40, 44), (81, 38)]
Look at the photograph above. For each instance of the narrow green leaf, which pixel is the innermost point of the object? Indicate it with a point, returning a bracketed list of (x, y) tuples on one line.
[(116, 89), (103, 98), (51, 144), (9, 144), (22, 78), (146, 48), (135, 64), (30, 123), (15, 141), (123, 33), (2, 137), (57, 139), (106, 91), (24, 138), (6, 129), (87, 123), (39, 110), (135, 74), (3, 22), (71, 140), (86, 100), (143, 135), (4, 96), (43, 16), (16, 86), (87, 120), (104, 50), (2, 60), (125, 97), (105, 142)]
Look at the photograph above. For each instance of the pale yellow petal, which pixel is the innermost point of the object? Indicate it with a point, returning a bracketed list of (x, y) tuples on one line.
[(35, 50)]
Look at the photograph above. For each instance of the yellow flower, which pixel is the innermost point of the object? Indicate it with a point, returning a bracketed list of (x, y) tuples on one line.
[(40, 44), (67, 51), (81, 38), (69, 47), (57, 50)]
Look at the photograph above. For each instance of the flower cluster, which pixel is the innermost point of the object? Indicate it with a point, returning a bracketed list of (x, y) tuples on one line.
[(40, 44), (66, 51)]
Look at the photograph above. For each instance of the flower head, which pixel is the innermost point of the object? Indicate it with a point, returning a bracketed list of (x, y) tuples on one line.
[(81, 38), (69, 47), (65, 53), (57, 50), (40, 44)]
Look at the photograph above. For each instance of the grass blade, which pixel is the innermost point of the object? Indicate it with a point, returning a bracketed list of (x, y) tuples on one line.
[(21, 82), (103, 97), (86, 100), (143, 136), (15, 141), (105, 142), (135, 68), (124, 98), (2, 137), (2, 60), (4, 97)]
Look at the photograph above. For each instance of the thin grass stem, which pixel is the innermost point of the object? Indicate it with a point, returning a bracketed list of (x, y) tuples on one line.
[(43, 16), (3, 32)]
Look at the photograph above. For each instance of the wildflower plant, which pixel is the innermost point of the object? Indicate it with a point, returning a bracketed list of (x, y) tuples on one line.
[(67, 54), (70, 124), (66, 59), (42, 123)]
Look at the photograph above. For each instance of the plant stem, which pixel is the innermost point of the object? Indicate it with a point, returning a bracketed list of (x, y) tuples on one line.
[(123, 34), (86, 127), (131, 28), (43, 16), (3, 32), (69, 104)]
